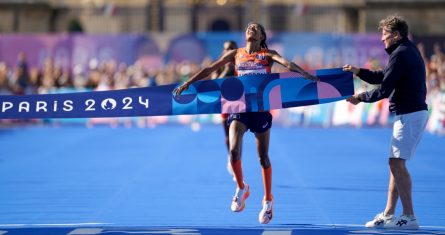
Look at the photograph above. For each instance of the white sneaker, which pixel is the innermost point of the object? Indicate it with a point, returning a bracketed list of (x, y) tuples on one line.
[(382, 221), (407, 222), (266, 213), (238, 202)]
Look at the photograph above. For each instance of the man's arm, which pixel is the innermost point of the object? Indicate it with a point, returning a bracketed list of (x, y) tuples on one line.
[(371, 77), (391, 76)]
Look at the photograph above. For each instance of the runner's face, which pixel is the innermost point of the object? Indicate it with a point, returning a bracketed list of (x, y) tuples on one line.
[(227, 47), (253, 33)]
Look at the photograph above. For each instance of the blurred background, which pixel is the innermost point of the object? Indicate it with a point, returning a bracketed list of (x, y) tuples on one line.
[(330, 164), (53, 46)]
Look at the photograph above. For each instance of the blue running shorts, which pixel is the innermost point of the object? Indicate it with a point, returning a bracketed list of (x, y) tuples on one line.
[(257, 122)]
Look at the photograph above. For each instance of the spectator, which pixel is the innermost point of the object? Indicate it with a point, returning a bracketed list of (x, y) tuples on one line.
[(21, 76)]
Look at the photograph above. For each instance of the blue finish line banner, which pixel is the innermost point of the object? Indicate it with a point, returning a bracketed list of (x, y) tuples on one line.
[(250, 93)]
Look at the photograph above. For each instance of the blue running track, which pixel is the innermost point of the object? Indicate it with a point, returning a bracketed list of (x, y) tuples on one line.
[(172, 180)]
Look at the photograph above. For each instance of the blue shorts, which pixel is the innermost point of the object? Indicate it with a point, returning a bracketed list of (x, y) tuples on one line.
[(257, 122)]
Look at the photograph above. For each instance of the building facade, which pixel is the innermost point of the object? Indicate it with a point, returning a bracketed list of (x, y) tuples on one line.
[(182, 16)]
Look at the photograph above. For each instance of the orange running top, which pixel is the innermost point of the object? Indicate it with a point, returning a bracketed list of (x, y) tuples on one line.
[(249, 64)]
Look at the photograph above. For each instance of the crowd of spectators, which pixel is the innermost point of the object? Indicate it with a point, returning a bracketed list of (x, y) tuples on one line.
[(22, 79), (106, 75), (103, 75)]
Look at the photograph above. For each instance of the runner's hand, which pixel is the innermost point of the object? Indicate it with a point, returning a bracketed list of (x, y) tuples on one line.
[(178, 90)]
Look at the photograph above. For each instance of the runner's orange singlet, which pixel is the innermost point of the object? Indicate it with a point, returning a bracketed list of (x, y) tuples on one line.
[(249, 64)]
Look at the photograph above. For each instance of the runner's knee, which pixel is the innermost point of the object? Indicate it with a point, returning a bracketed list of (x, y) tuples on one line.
[(397, 165), (264, 161)]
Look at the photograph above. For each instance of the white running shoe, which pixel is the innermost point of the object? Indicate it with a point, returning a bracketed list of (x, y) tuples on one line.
[(406, 222), (238, 202), (382, 221), (266, 213)]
